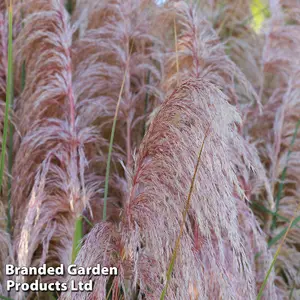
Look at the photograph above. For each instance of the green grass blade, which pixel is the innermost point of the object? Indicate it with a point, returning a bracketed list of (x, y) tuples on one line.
[(293, 288), (283, 175), (78, 234), (176, 48), (9, 87), (9, 97), (112, 140), (11, 135), (23, 76), (51, 296), (146, 104), (10, 164), (282, 233), (184, 214), (23, 72), (87, 220), (293, 220), (5, 298), (266, 210), (275, 239), (257, 255), (110, 150)]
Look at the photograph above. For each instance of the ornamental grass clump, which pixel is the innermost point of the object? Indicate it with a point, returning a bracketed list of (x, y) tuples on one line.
[(158, 137)]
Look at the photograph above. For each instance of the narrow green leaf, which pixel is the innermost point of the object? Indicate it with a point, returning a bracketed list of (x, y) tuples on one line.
[(293, 288), (112, 135), (184, 214), (279, 236), (146, 104), (23, 76), (292, 222), (8, 104), (77, 238), (5, 298), (275, 239), (87, 220), (23, 72), (266, 210), (51, 296), (11, 137), (257, 255), (283, 175)]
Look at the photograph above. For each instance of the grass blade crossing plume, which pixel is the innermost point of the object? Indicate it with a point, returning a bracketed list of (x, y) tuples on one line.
[(259, 296), (197, 57), (184, 215), (164, 167)]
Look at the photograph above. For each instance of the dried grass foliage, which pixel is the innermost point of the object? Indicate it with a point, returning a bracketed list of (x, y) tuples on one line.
[(188, 69)]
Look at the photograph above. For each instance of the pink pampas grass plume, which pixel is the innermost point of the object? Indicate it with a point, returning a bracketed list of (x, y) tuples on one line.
[(200, 52), (141, 245), (50, 187), (115, 42)]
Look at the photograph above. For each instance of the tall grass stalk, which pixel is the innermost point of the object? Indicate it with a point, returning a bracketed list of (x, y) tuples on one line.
[(8, 105), (11, 130), (176, 47), (283, 175), (110, 149), (113, 129), (275, 239), (184, 214), (293, 288), (260, 293), (146, 105), (266, 210), (23, 72), (78, 235)]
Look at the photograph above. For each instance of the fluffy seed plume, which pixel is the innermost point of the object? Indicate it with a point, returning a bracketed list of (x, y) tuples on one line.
[(49, 190), (212, 260), (116, 43), (201, 53)]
